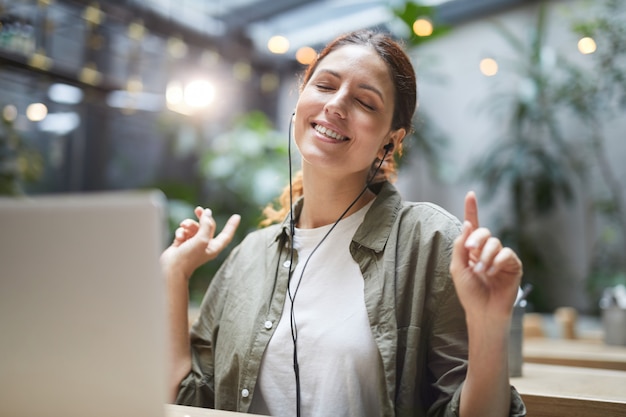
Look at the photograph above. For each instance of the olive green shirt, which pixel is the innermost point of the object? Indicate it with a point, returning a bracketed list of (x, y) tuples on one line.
[(403, 250)]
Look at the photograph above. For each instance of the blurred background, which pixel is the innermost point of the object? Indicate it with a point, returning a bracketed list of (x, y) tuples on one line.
[(520, 100)]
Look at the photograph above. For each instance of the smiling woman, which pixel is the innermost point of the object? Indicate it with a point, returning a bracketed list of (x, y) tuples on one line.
[(356, 303), (343, 119)]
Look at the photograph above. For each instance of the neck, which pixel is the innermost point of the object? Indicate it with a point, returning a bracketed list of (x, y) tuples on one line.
[(326, 198)]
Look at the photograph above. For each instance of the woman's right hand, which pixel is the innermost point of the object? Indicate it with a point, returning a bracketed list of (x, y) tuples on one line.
[(195, 243)]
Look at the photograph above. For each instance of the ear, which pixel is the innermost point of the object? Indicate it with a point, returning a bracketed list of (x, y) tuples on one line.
[(395, 137)]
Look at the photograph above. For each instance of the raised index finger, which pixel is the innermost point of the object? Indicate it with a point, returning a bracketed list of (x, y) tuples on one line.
[(226, 235), (471, 209)]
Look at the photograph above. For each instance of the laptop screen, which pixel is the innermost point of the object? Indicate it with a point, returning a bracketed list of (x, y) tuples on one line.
[(82, 305)]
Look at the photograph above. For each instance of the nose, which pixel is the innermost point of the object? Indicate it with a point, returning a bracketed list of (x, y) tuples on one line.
[(336, 104)]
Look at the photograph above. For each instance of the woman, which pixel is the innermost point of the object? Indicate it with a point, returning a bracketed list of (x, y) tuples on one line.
[(357, 303)]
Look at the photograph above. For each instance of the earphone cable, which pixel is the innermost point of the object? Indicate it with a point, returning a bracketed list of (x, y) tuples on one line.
[(294, 327)]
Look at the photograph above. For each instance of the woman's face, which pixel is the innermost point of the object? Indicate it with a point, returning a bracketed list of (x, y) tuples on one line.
[(344, 113)]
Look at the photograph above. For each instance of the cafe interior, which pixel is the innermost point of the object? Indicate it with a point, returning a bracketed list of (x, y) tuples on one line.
[(522, 101)]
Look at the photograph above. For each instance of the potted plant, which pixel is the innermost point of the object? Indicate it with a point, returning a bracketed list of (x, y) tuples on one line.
[(536, 164)]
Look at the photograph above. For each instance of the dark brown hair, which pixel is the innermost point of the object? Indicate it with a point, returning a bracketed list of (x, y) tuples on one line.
[(405, 85)]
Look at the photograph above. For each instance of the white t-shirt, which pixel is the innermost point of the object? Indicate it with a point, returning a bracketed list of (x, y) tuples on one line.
[(337, 355)]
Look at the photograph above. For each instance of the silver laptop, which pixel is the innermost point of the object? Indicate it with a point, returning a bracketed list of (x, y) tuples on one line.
[(82, 305)]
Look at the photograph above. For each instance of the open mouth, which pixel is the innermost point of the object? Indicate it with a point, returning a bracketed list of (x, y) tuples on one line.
[(329, 133)]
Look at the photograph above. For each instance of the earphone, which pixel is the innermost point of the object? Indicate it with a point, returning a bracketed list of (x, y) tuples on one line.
[(292, 297)]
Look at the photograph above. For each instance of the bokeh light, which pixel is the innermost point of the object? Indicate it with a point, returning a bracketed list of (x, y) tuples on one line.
[(36, 112), (489, 67), (587, 46), (306, 55), (278, 44), (9, 113), (199, 94), (423, 27)]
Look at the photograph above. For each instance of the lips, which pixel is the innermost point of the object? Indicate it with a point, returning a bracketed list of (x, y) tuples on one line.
[(329, 133)]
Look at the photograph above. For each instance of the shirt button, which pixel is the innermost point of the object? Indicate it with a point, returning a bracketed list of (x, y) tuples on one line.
[(287, 264), (245, 393), (268, 325)]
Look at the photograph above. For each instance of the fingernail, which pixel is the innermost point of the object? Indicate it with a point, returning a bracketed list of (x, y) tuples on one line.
[(479, 267), (471, 243)]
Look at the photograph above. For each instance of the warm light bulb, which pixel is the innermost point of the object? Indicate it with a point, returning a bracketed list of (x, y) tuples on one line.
[(176, 47), (136, 30), (89, 74), (199, 93), (36, 112), (489, 67), (9, 113), (306, 55), (587, 46), (278, 44), (423, 27), (269, 82), (242, 71)]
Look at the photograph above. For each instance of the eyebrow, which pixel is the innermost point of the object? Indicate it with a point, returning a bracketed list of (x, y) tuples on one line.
[(361, 85)]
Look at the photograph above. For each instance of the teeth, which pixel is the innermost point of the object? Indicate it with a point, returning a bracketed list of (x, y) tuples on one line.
[(330, 133)]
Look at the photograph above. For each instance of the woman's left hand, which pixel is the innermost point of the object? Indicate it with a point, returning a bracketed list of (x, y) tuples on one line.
[(486, 274)]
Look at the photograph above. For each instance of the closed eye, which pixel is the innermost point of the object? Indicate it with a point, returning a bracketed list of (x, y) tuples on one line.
[(367, 106)]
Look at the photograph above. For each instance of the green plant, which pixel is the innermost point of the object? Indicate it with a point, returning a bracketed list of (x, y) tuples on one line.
[(597, 96), (239, 171), (534, 162), (19, 163), (531, 161), (408, 12)]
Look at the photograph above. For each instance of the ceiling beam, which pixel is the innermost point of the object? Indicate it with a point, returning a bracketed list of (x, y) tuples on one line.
[(239, 18), (457, 11)]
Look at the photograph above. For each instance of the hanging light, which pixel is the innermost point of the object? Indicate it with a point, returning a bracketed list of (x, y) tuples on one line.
[(199, 94), (89, 74), (489, 67), (269, 82), (423, 27), (40, 61), (176, 47), (93, 15), (36, 112), (136, 30), (9, 113), (306, 55), (242, 71), (278, 44), (587, 45)]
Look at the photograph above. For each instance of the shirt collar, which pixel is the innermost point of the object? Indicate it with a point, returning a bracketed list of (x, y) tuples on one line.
[(376, 227), (379, 219)]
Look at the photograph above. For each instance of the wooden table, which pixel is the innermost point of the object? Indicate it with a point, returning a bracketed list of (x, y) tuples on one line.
[(574, 352), (183, 411), (557, 391), (547, 390)]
